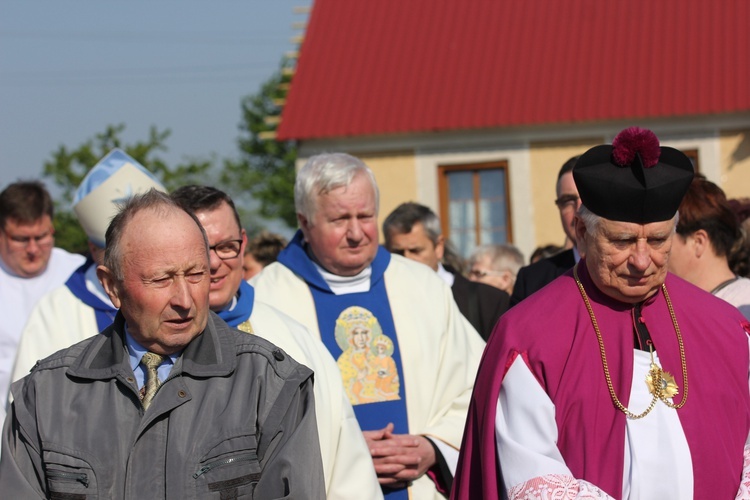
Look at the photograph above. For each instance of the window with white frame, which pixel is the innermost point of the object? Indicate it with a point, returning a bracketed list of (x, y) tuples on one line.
[(475, 204)]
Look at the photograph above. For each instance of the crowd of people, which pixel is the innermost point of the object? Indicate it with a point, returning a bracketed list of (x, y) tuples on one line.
[(181, 358)]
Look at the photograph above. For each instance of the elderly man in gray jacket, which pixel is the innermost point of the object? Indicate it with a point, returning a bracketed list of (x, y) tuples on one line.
[(168, 402)]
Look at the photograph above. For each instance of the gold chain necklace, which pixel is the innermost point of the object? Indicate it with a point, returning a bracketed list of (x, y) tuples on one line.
[(660, 383)]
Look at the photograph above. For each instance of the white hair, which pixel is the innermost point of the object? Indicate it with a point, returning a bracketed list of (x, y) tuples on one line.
[(501, 257), (325, 172), (591, 220)]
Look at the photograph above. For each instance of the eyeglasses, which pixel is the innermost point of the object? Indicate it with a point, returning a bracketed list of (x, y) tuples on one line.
[(226, 250), (567, 202), (43, 240), (483, 273)]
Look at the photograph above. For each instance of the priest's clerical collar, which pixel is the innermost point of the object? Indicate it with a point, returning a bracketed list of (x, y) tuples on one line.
[(342, 285)]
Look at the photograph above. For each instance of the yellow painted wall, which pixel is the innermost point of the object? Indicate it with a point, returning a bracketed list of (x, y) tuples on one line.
[(546, 158), (396, 176), (735, 163)]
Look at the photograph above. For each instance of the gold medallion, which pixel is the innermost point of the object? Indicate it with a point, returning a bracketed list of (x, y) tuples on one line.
[(665, 386), (661, 384)]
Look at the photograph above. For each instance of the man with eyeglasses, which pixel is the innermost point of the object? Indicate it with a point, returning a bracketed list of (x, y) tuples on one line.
[(346, 460), (80, 308), (168, 402), (413, 231), (30, 265), (618, 379), (535, 276), (495, 265)]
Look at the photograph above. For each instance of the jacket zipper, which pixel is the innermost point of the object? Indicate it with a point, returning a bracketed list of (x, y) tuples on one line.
[(248, 457), (69, 476)]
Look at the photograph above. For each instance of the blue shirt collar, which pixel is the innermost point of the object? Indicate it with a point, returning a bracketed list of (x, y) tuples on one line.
[(136, 352)]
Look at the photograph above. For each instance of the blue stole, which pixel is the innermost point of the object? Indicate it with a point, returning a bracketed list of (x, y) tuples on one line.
[(359, 332), (243, 308), (105, 313)]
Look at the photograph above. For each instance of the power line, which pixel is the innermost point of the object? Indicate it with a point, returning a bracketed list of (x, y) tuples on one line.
[(251, 78), (126, 72), (226, 73), (183, 38)]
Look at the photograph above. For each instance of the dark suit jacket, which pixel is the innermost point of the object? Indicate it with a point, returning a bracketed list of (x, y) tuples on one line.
[(481, 304), (537, 275)]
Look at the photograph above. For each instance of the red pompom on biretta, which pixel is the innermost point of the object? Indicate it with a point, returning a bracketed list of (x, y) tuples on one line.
[(633, 179), (634, 140)]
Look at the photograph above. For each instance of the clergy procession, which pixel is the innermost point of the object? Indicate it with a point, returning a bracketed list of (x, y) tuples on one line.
[(355, 363)]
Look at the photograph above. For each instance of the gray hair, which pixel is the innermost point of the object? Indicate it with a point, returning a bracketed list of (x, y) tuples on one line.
[(325, 172), (153, 200), (406, 215), (589, 218), (501, 257), (592, 221)]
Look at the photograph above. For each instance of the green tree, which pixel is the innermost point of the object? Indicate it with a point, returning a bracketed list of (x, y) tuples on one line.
[(263, 176), (67, 168)]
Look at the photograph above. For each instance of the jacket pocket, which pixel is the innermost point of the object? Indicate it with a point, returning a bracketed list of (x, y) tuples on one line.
[(230, 470), (69, 478)]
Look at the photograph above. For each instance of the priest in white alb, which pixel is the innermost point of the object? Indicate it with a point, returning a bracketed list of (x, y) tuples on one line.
[(407, 356)]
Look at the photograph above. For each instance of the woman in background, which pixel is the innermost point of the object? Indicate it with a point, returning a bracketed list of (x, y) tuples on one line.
[(260, 251), (707, 239)]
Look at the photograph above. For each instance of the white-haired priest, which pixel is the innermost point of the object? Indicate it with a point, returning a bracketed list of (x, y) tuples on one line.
[(632, 383)]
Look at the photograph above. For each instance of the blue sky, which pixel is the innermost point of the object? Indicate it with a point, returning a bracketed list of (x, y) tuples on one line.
[(70, 68)]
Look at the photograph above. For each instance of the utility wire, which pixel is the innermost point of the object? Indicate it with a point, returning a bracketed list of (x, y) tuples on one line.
[(128, 72), (205, 38)]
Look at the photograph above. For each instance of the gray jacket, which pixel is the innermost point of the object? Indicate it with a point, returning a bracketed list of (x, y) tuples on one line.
[(234, 419)]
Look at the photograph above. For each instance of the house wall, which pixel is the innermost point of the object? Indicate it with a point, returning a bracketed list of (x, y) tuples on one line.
[(429, 158), (546, 159), (734, 162), (406, 166), (405, 176), (396, 176)]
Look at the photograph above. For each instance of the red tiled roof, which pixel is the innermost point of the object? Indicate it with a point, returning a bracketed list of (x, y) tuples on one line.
[(396, 66)]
